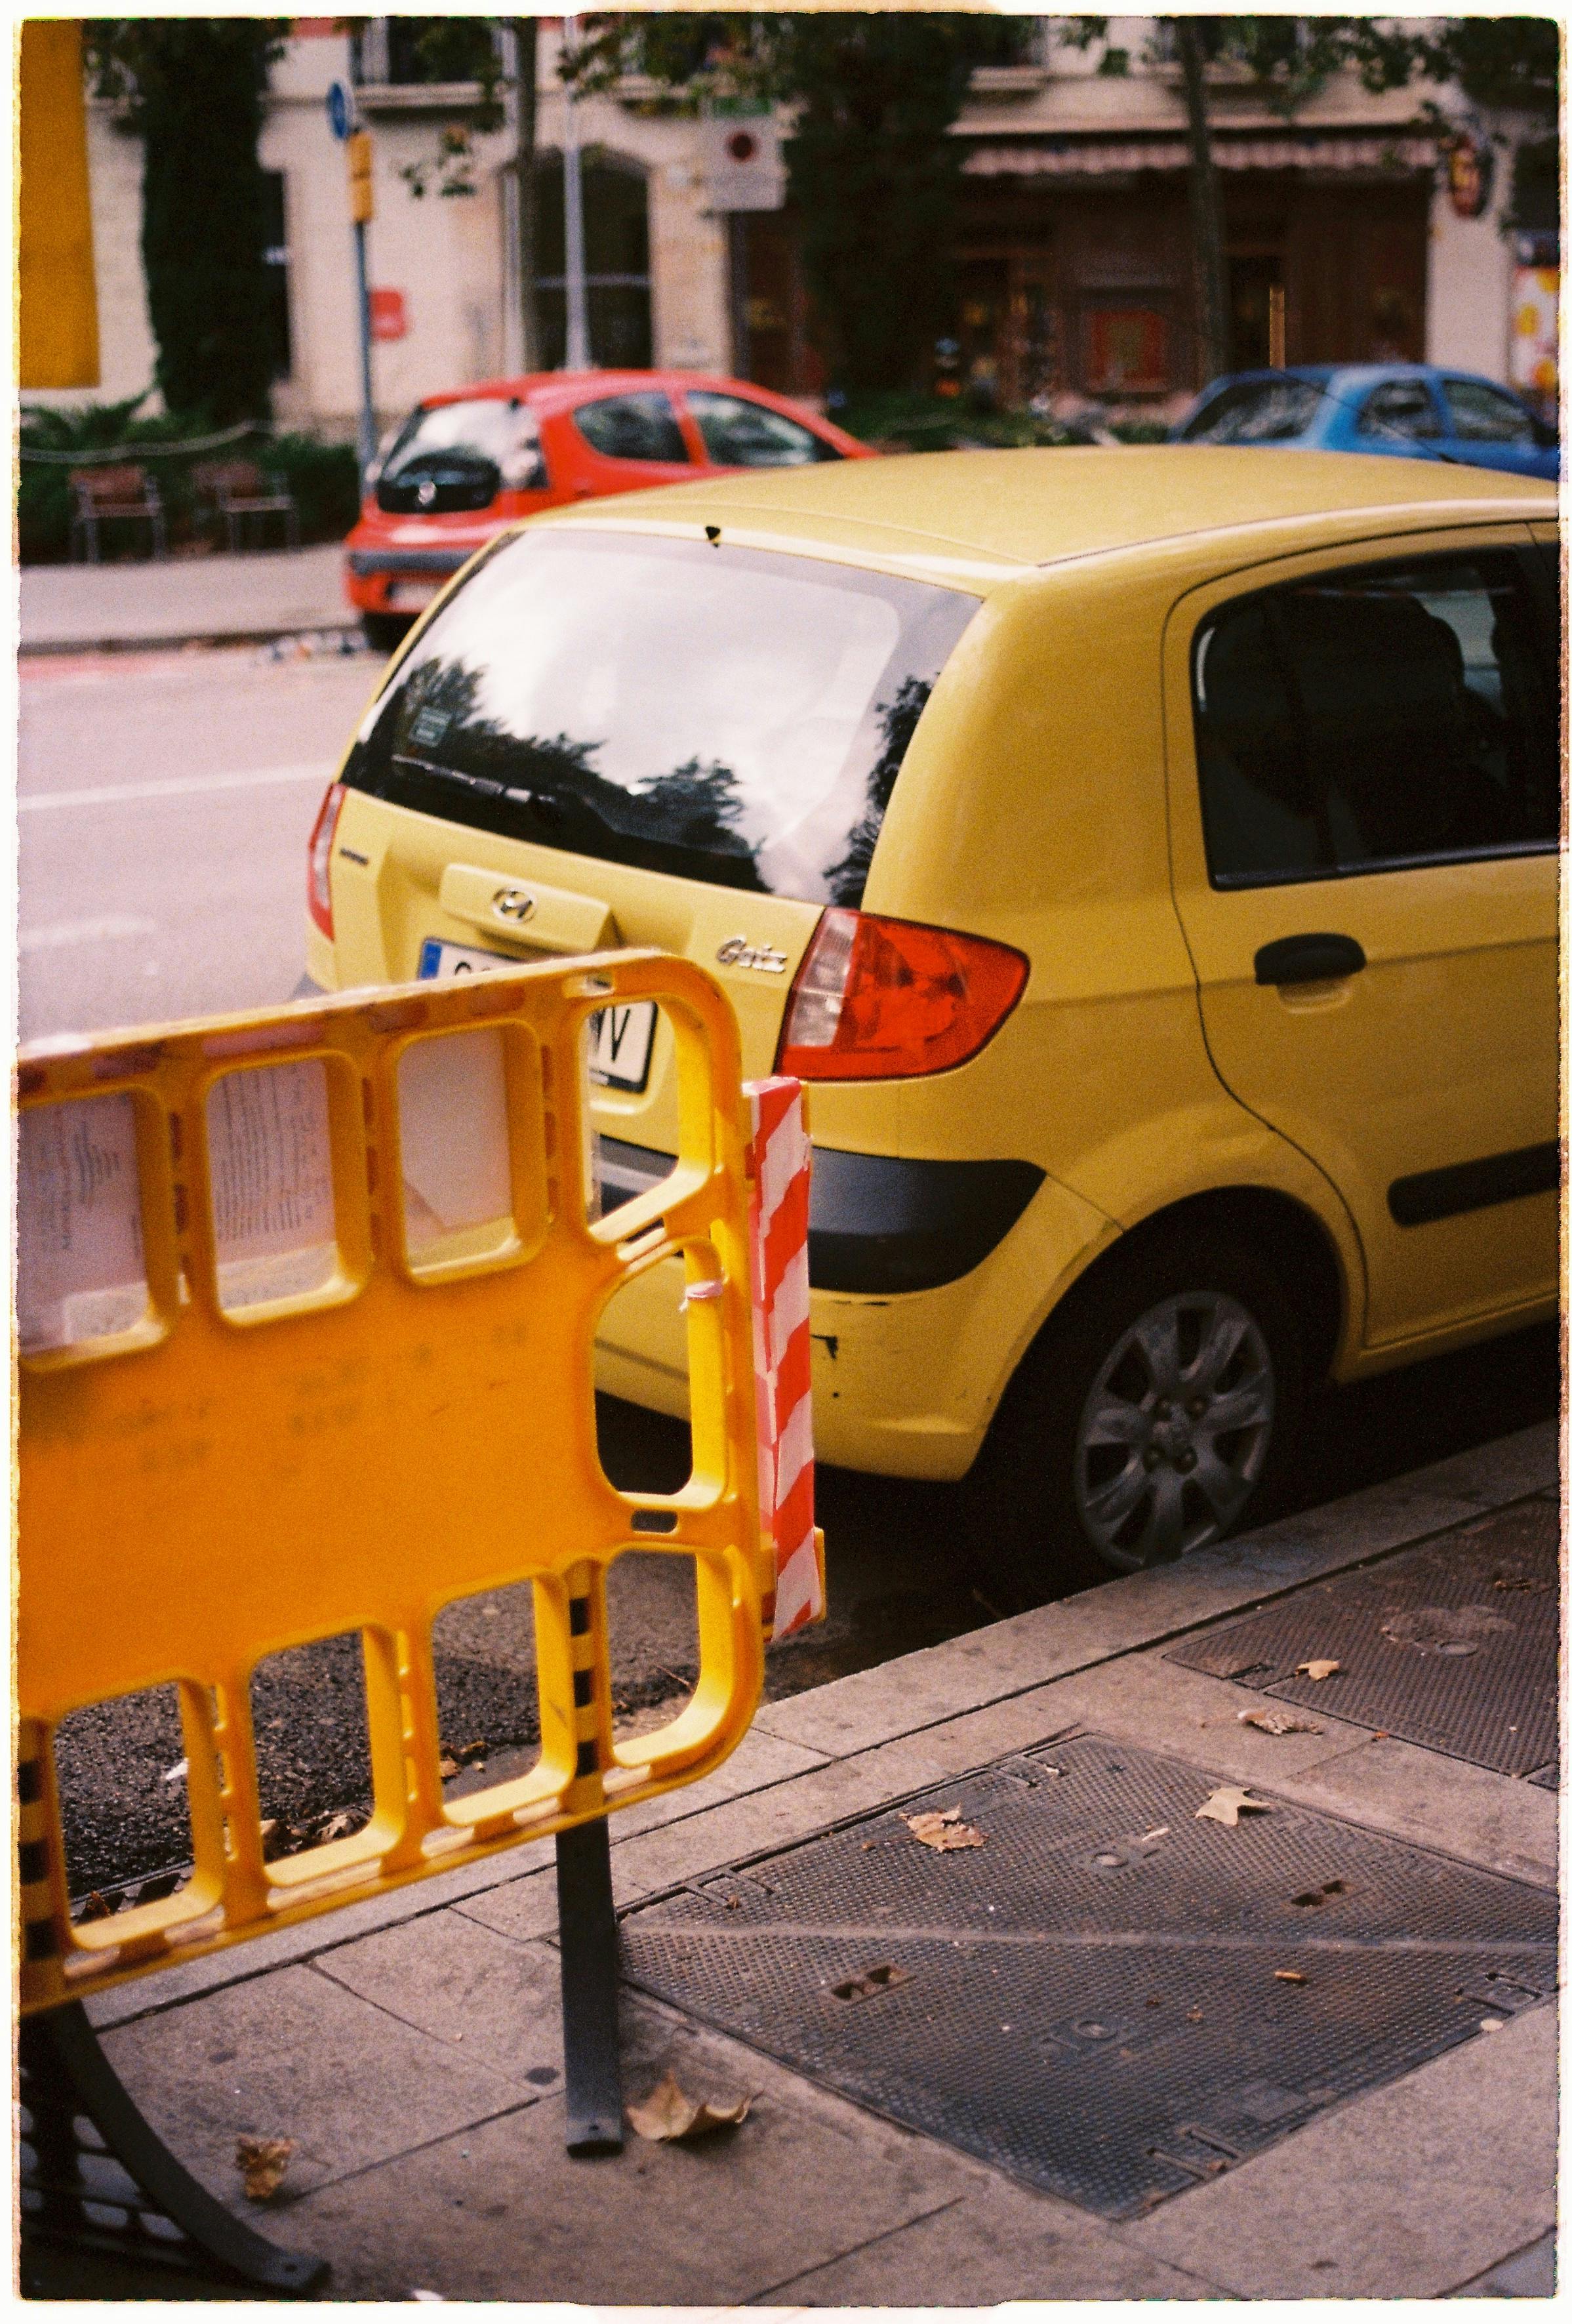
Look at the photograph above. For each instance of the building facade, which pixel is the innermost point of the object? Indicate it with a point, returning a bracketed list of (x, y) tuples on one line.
[(1345, 239)]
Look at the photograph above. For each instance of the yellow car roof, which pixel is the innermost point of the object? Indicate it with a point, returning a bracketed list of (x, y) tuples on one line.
[(968, 511)]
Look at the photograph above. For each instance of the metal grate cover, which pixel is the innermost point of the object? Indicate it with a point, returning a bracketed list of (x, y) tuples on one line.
[(1089, 1999), (1453, 1645)]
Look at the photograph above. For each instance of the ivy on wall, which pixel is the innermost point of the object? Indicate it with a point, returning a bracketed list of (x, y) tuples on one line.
[(192, 88)]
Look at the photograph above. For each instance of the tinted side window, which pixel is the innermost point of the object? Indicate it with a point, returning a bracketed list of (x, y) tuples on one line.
[(633, 428), (1403, 407), (1483, 415), (1403, 715), (738, 434)]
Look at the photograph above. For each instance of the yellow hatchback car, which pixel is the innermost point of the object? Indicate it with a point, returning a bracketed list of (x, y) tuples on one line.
[(1148, 857)]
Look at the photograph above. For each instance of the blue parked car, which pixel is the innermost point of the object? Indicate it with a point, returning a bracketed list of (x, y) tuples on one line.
[(1412, 409)]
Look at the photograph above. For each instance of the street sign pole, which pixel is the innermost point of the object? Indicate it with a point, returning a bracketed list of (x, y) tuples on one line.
[(368, 418), (357, 146), (576, 355)]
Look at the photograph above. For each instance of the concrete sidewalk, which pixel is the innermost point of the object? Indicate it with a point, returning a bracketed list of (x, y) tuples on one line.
[(176, 601), (410, 2046)]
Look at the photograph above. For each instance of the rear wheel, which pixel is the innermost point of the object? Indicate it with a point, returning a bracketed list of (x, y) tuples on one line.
[(1159, 1408), (385, 632)]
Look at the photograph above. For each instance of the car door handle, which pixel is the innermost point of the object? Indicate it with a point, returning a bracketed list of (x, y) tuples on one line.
[(1307, 960)]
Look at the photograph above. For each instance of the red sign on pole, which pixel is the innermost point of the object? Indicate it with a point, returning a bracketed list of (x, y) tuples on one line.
[(389, 317)]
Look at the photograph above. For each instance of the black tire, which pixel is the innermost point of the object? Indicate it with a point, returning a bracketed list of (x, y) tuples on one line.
[(1073, 1490), (385, 632)]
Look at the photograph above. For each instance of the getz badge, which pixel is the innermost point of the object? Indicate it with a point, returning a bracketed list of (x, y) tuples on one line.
[(738, 953)]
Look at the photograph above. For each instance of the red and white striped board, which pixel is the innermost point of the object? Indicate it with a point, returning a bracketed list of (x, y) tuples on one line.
[(780, 1161)]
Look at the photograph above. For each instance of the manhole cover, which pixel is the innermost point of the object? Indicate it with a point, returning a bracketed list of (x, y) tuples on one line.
[(1092, 2000), (1453, 1645)]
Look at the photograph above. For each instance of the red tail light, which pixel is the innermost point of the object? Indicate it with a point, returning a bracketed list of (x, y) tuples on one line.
[(875, 997), (319, 859)]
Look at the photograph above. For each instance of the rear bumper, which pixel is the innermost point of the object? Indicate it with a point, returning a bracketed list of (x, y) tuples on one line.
[(877, 1223), (369, 574), (924, 1279)]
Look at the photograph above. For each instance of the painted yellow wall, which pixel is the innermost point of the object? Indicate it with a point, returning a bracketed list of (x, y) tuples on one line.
[(57, 334)]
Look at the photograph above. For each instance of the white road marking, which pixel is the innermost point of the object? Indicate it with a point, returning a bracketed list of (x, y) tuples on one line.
[(77, 932), (177, 787)]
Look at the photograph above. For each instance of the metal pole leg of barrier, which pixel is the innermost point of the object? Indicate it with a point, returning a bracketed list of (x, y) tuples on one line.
[(75, 2192), (587, 1928)]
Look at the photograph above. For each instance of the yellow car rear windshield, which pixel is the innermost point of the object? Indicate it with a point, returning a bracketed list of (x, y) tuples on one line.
[(729, 714)]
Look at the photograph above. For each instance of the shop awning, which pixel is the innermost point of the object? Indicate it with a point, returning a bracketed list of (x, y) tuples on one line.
[(1104, 157)]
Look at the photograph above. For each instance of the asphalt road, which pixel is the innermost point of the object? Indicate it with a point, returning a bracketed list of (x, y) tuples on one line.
[(164, 806)]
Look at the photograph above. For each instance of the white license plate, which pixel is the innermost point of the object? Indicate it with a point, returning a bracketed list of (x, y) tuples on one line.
[(621, 1037), (411, 596)]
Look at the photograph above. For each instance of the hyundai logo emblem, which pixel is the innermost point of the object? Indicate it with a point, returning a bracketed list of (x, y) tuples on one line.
[(513, 904), (424, 493)]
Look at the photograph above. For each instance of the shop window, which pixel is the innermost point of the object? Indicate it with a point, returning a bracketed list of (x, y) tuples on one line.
[(616, 263), (1127, 351)]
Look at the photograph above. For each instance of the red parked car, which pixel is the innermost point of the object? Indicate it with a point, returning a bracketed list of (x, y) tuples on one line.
[(470, 462)]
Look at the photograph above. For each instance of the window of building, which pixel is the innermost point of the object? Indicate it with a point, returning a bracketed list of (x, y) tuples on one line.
[(1398, 716), (276, 256), (407, 51), (616, 262), (1127, 350)]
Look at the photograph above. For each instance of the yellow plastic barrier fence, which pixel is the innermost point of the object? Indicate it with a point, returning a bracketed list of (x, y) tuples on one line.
[(307, 1302)]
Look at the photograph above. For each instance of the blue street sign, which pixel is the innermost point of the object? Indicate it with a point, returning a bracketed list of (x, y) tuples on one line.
[(340, 110)]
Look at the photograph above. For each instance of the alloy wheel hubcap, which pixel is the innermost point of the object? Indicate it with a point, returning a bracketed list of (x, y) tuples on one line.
[(1175, 1432)]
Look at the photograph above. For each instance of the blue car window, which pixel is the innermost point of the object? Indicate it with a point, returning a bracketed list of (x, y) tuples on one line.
[(1401, 406), (1482, 414), (1368, 720), (1255, 412)]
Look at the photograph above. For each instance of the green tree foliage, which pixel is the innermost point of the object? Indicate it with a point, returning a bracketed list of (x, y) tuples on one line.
[(194, 86), (1504, 64), (872, 172)]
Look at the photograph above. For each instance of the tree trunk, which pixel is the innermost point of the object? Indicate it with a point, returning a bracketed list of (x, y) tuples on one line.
[(525, 31), (1205, 210)]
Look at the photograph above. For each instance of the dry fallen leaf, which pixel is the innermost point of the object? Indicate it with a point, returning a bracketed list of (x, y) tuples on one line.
[(1318, 1668), (447, 1767), (1227, 1802), (265, 2162), (1291, 1976), (943, 1828), (1277, 1722), (337, 1825), (669, 2114)]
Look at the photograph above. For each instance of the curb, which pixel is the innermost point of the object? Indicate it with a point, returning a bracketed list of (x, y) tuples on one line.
[(42, 649), (848, 1741)]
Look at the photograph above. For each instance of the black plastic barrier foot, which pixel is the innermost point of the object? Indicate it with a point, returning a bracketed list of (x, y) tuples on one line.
[(96, 2177), (587, 1923)]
